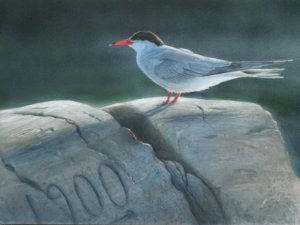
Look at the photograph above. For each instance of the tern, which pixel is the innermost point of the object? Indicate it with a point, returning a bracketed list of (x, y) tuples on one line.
[(180, 70)]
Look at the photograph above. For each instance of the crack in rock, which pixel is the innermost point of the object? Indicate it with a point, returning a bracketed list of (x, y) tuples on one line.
[(69, 121), (202, 201), (22, 179), (131, 118), (205, 121), (92, 116), (79, 132), (27, 182)]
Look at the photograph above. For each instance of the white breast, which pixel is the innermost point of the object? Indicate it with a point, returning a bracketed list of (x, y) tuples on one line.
[(146, 58)]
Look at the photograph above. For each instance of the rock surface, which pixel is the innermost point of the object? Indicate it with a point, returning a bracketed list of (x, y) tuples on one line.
[(205, 162), (234, 166)]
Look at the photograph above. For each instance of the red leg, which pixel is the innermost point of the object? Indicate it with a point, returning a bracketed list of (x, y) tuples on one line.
[(168, 99), (176, 97)]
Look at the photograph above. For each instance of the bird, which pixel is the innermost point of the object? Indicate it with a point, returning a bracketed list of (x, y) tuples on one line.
[(179, 70)]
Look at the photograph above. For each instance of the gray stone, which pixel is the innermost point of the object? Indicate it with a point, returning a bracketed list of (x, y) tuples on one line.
[(194, 162), (228, 158), (66, 162)]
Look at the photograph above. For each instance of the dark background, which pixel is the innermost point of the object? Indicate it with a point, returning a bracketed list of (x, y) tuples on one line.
[(58, 49)]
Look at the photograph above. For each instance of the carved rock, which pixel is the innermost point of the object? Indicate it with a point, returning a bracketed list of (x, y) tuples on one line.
[(66, 162), (205, 162)]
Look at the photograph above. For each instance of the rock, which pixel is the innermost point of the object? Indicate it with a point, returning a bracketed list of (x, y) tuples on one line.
[(65, 162), (228, 158), (195, 162)]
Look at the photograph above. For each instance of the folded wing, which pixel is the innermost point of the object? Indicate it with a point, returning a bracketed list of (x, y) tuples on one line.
[(178, 65)]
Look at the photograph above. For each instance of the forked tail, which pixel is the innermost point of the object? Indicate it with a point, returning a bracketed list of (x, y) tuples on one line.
[(257, 68)]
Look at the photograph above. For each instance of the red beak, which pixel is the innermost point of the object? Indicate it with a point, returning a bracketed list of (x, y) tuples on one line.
[(122, 42)]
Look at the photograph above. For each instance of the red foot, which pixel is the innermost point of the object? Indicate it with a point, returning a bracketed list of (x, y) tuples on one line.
[(176, 97), (168, 99)]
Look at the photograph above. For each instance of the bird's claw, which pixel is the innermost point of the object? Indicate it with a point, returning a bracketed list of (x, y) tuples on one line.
[(164, 103)]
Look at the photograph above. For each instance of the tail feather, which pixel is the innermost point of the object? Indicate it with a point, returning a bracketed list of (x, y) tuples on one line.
[(267, 76), (251, 67), (257, 69), (245, 65), (233, 71), (263, 73)]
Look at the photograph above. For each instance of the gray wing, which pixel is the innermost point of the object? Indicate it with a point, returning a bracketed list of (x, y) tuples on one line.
[(180, 65), (177, 66)]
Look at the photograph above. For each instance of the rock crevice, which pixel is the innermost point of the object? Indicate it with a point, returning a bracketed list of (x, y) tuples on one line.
[(216, 141), (194, 162), (137, 121)]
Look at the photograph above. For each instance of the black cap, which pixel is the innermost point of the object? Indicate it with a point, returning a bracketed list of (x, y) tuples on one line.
[(147, 35)]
